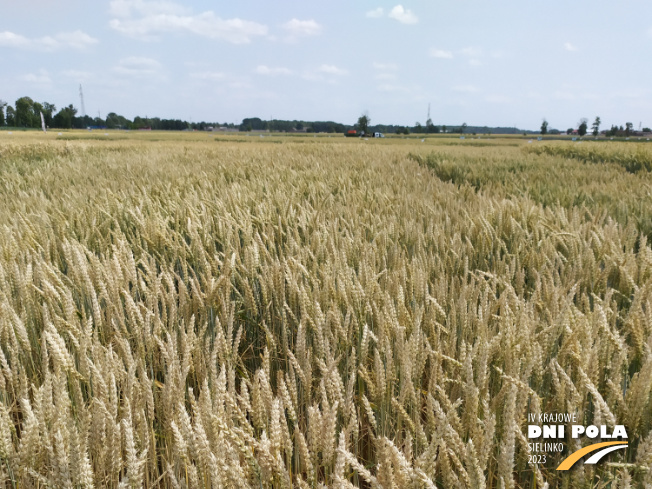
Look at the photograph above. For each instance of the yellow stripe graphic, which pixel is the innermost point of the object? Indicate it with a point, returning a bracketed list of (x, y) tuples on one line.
[(575, 456)]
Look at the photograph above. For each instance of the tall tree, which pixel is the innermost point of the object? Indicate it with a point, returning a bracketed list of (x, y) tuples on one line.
[(65, 117), (430, 127), (544, 127), (584, 124), (3, 104), (363, 123), (48, 112), (11, 116), (35, 115), (115, 121), (596, 126), (24, 112), (628, 128)]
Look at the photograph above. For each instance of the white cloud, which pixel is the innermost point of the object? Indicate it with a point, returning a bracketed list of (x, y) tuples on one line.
[(298, 27), (471, 52), (441, 53), (570, 47), (208, 76), (125, 8), (399, 13), (386, 87), (137, 66), (402, 15), (475, 54), (376, 13), (466, 88), (9, 39), (77, 75), (332, 70), (498, 99), (324, 73), (40, 78), (272, 71), (385, 76), (76, 40), (243, 85), (385, 66), (148, 19), (563, 95)]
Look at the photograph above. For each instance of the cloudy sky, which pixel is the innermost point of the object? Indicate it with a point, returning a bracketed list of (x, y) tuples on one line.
[(500, 63)]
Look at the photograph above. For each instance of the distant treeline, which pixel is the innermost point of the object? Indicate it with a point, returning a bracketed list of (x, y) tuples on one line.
[(257, 124), (26, 113)]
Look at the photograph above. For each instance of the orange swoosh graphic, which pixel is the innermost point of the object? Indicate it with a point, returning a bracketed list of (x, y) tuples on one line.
[(575, 456)]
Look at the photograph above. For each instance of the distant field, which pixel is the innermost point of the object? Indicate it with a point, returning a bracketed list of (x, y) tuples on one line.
[(223, 310)]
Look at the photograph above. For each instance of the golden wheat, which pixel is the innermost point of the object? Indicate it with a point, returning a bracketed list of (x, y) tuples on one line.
[(198, 313)]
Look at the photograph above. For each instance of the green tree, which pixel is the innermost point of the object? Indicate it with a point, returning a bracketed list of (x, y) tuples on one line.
[(48, 112), (256, 123), (24, 116), (140, 123), (82, 122), (463, 128), (35, 116), (115, 121), (11, 116), (3, 104), (584, 124), (363, 123), (65, 118), (544, 127), (596, 126), (628, 128)]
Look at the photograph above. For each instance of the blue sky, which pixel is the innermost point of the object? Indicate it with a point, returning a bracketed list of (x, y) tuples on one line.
[(498, 63)]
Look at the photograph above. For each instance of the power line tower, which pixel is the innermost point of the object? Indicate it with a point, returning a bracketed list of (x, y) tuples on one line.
[(428, 118), (81, 98)]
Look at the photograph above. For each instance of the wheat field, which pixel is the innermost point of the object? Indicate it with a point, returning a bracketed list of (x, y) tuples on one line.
[(190, 311)]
